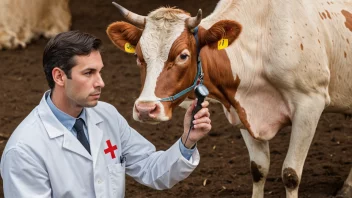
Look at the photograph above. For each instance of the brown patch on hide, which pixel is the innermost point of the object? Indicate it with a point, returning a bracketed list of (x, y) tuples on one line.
[(290, 178), (219, 79), (324, 15), (328, 14), (348, 17), (256, 174)]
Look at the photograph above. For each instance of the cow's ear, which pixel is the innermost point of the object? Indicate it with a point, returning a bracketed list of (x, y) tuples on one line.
[(124, 35), (221, 34)]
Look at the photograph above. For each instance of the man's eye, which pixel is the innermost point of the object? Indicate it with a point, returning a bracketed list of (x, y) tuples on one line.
[(183, 56), (88, 73)]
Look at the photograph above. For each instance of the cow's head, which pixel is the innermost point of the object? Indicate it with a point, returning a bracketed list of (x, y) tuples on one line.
[(166, 53)]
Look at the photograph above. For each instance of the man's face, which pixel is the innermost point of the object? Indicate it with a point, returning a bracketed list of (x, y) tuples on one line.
[(84, 87)]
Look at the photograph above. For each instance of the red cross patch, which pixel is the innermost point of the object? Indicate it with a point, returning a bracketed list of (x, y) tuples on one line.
[(111, 149)]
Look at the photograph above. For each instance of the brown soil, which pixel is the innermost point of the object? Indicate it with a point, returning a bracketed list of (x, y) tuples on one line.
[(224, 157)]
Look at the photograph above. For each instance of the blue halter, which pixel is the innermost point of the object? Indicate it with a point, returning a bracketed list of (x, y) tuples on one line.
[(197, 80)]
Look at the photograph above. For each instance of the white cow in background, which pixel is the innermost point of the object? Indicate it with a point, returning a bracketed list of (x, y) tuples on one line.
[(24, 20)]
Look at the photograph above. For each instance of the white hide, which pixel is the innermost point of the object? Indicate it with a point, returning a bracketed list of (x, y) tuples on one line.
[(284, 50), (24, 20)]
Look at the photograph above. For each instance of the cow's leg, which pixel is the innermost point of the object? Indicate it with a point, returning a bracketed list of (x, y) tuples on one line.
[(346, 191), (9, 40), (304, 122), (259, 162)]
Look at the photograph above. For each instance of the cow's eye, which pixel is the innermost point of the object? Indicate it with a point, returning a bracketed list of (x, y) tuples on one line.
[(183, 56)]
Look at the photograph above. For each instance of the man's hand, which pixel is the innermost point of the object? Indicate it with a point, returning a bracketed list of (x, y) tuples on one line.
[(201, 124)]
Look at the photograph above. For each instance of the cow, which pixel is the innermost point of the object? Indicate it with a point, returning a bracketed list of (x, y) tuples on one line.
[(270, 64), (23, 20)]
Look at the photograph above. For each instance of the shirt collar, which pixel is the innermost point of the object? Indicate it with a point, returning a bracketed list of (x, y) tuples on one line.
[(65, 119)]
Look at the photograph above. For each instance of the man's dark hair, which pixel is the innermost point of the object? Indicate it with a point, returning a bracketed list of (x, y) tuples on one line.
[(60, 51)]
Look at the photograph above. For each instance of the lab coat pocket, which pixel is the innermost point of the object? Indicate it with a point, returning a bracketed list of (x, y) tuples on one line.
[(117, 180)]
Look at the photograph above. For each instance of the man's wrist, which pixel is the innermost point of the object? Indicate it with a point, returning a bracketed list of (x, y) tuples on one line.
[(188, 144), (186, 152)]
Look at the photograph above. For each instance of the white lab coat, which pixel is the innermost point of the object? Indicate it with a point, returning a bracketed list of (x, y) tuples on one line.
[(43, 159)]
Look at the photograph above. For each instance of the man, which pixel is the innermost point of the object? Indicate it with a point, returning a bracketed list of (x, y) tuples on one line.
[(71, 145)]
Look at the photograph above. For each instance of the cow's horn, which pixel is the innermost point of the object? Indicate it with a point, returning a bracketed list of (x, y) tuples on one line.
[(130, 16), (193, 22)]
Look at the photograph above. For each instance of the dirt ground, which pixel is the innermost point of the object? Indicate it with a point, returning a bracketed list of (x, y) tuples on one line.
[(224, 157)]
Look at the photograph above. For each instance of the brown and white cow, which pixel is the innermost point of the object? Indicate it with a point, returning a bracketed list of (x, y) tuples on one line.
[(23, 20), (286, 62)]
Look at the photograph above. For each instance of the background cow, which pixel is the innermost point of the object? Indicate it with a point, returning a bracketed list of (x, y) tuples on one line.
[(24, 20), (271, 64)]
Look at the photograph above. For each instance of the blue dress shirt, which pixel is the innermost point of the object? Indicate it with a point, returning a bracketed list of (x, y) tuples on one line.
[(67, 120)]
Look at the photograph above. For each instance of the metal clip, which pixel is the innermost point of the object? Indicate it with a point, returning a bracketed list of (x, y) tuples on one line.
[(122, 160), (201, 77)]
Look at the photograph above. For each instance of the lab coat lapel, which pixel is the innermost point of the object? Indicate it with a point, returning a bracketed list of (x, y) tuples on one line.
[(95, 134), (72, 144), (55, 129)]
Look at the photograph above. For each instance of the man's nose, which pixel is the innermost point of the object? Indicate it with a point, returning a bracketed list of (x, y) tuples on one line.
[(99, 82)]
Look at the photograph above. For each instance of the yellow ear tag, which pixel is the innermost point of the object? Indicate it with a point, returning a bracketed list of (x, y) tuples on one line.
[(223, 43), (129, 48)]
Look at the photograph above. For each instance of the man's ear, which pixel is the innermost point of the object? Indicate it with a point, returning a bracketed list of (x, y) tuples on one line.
[(124, 35), (58, 76), (221, 34)]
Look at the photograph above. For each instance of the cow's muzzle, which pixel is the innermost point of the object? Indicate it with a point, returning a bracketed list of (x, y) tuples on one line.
[(147, 111)]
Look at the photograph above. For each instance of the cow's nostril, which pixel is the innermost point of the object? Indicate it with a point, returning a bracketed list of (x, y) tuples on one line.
[(155, 111), (136, 108), (147, 110)]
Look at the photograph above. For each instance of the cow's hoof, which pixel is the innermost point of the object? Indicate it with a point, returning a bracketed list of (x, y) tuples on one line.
[(345, 192)]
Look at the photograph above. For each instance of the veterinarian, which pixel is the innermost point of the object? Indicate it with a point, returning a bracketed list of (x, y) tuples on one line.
[(72, 145)]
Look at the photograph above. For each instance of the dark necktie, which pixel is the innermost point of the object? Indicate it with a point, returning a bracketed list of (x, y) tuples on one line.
[(80, 134)]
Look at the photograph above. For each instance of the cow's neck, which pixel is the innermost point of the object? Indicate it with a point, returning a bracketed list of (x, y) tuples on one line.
[(234, 76), (221, 83), (247, 50)]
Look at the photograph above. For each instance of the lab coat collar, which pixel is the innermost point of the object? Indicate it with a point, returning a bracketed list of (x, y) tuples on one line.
[(52, 125), (55, 129)]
